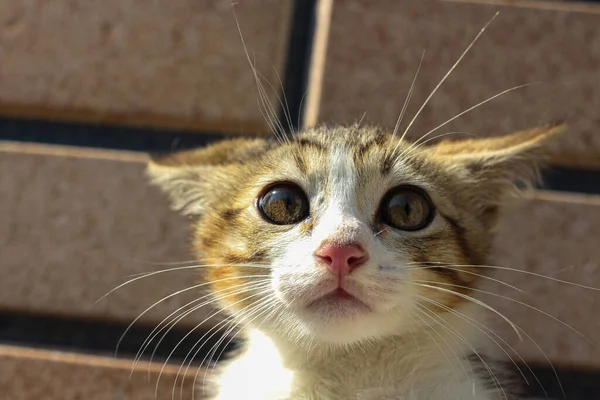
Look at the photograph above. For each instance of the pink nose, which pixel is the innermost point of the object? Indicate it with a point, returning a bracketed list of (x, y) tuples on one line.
[(341, 260)]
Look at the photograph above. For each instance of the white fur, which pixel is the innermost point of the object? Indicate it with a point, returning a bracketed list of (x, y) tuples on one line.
[(272, 368), (384, 350)]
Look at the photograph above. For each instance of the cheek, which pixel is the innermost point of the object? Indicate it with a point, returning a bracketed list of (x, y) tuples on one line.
[(439, 288), (294, 260)]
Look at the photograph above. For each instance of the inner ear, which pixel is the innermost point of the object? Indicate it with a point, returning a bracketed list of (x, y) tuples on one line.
[(521, 142), (488, 171)]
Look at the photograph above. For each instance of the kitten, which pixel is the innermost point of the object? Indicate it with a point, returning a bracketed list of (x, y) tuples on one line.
[(344, 255)]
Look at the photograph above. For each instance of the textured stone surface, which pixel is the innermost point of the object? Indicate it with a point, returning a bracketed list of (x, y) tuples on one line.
[(555, 237), (75, 227), (161, 62), (36, 374), (373, 53)]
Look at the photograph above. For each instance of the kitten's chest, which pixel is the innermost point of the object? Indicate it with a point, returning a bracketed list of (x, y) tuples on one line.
[(262, 374)]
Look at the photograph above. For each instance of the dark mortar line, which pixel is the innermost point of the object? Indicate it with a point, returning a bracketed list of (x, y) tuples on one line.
[(98, 337), (298, 62)]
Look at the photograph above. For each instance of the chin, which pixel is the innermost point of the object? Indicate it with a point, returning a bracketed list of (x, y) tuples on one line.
[(344, 321)]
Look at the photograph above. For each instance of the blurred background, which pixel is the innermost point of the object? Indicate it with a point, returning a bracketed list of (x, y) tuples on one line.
[(89, 87)]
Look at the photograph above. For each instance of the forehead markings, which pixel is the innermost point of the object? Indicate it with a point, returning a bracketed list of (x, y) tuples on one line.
[(339, 192), (342, 174), (362, 148)]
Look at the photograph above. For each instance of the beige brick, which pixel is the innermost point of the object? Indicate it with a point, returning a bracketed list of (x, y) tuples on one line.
[(164, 63), (27, 374), (554, 236), (76, 224), (372, 54)]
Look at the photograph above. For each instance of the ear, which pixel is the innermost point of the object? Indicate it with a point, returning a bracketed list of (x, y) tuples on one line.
[(197, 179), (495, 168)]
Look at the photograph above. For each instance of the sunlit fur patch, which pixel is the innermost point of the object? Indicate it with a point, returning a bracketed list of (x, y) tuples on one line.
[(345, 172)]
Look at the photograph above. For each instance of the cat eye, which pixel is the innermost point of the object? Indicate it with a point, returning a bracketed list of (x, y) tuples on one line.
[(283, 204), (407, 208)]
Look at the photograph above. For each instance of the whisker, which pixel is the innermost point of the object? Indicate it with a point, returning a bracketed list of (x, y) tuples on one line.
[(474, 274), (149, 274), (478, 325), (175, 294), (418, 144), (285, 106), (454, 332), (268, 108), (200, 342), (442, 337), (456, 266), (409, 314), (175, 321), (405, 105), (193, 330), (518, 330), (246, 287), (535, 309), (480, 104), (448, 74), (274, 123), (261, 309), (474, 300)]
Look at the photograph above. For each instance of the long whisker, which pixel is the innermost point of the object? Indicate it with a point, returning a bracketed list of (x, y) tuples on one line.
[(456, 266), (435, 341), (474, 300), (479, 276), (406, 101), (193, 330), (274, 122), (246, 287), (447, 75), (478, 325), (175, 321), (426, 311), (204, 339), (268, 108), (515, 327), (201, 342), (149, 274), (254, 313), (418, 144), (175, 294), (453, 331), (523, 304), (479, 105), (285, 106)]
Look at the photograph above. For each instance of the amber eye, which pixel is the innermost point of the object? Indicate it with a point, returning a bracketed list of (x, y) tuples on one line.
[(283, 204), (406, 208)]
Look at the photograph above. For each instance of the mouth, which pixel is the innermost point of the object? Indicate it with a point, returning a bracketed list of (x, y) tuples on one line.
[(338, 302), (340, 294)]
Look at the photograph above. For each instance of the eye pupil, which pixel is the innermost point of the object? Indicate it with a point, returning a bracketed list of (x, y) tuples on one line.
[(406, 208), (283, 204)]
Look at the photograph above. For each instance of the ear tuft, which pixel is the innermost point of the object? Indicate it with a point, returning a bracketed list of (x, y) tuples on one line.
[(197, 179), (495, 168), (509, 144)]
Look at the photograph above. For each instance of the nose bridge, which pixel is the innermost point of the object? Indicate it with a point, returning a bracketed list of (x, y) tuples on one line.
[(339, 221), (340, 226)]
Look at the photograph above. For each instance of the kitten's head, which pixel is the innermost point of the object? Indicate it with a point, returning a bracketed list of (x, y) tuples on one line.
[(339, 233)]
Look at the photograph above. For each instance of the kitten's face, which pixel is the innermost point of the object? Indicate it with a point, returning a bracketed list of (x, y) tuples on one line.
[(345, 234)]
